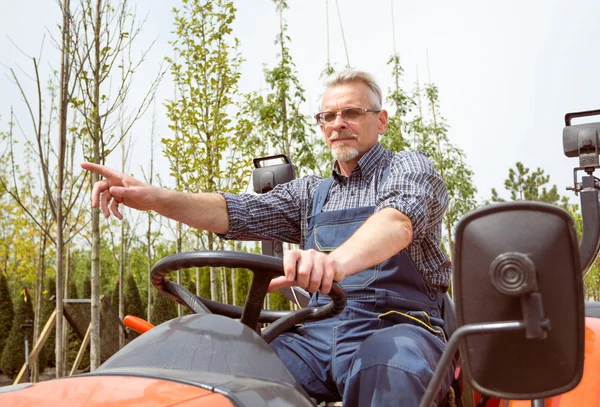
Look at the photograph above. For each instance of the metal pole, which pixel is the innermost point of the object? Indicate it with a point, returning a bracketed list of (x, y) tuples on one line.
[(26, 358), (538, 403), (445, 361)]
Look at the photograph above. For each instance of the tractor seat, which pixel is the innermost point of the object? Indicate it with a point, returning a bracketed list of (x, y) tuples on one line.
[(449, 315)]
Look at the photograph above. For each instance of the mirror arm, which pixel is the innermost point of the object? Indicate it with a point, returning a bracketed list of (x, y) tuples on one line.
[(590, 239), (445, 361)]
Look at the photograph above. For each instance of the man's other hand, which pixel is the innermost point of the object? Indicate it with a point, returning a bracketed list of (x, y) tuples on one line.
[(309, 269)]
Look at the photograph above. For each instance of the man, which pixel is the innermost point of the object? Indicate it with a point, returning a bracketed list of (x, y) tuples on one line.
[(374, 227)]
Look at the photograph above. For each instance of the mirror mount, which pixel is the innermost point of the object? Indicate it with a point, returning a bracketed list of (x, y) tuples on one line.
[(514, 274), (583, 141)]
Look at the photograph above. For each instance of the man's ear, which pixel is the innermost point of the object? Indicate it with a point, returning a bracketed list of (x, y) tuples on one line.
[(382, 118)]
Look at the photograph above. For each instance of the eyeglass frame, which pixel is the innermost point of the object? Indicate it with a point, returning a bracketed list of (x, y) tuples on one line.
[(339, 113)]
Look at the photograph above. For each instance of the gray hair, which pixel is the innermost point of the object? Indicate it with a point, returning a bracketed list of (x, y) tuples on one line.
[(351, 75)]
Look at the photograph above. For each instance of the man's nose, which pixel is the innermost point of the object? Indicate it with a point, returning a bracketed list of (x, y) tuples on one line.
[(339, 123)]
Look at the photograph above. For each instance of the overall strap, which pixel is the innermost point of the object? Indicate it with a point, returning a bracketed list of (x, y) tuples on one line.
[(321, 195), (323, 189)]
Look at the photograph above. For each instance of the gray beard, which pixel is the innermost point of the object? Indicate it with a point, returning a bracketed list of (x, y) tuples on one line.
[(344, 153)]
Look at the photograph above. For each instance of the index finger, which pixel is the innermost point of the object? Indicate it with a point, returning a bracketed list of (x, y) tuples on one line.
[(106, 172)]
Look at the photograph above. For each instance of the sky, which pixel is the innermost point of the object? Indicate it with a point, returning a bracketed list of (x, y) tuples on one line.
[(507, 71)]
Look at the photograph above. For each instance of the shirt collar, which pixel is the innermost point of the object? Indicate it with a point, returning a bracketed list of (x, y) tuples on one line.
[(367, 163)]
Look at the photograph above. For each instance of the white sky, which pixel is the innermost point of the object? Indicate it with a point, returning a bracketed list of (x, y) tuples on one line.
[(507, 70)]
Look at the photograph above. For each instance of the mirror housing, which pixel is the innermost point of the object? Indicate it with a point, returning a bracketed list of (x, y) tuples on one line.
[(519, 261)]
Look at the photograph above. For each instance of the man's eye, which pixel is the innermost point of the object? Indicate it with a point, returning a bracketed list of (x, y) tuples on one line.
[(350, 114), (329, 116)]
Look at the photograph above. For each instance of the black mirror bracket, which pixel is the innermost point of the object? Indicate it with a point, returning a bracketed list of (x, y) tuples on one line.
[(589, 246), (514, 274), (445, 361)]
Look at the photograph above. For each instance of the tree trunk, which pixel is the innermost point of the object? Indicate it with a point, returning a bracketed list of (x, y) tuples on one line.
[(95, 303), (67, 276), (39, 288), (178, 250), (64, 100), (121, 283), (149, 255), (198, 269), (122, 260), (213, 273)]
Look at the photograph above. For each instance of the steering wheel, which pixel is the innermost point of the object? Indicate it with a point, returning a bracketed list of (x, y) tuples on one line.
[(264, 269)]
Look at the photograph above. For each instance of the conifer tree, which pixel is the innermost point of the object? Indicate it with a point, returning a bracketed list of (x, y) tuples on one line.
[(7, 313), (114, 298), (133, 301), (13, 355), (163, 309)]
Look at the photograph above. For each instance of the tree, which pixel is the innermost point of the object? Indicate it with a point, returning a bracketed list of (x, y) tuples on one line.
[(210, 151), (133, 302), (114, 298), (450, 162), (394, 139), (278, 114), (522, 184), (7, 313), (13, 355), (106, 32), (163, 309)]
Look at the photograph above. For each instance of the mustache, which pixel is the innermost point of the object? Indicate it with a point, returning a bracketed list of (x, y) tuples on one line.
[(342, 136)]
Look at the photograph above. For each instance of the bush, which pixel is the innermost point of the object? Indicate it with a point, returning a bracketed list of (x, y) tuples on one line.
[(13, 355), (7, 312)]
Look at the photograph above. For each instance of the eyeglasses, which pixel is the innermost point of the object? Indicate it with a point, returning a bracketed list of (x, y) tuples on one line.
[(350, 114)]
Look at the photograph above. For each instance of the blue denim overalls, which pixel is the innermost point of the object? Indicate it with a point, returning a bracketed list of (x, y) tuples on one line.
[(382, 349)]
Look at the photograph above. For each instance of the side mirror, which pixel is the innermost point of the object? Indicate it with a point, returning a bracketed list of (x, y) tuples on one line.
[(519, 261)]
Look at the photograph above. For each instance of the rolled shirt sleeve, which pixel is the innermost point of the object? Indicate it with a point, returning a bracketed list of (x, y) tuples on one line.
[(275, 215), (414, 188)]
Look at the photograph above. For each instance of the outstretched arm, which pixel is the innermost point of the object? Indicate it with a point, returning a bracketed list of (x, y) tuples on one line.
[(201, 211)]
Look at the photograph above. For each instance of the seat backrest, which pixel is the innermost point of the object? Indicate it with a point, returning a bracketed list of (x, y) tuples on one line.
[(449, 315)]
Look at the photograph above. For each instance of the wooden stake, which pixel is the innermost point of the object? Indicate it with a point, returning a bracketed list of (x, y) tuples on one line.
[(84, 345), (38, 346)]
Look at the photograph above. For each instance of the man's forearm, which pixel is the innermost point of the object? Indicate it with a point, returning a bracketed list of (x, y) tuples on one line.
[(383, 235), (205, 211)]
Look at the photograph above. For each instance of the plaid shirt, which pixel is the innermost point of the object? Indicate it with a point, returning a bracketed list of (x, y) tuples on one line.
[(413, 187)]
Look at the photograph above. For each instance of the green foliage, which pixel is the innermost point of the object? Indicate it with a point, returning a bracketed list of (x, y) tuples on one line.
[(394, 139), (163, 309), (525, 185), (87, 288), (7, 313), (210, 150), (133, 302), (114, 298), (449, 161), (277, 114), (244, 278), (13, 355), (279, 302)]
